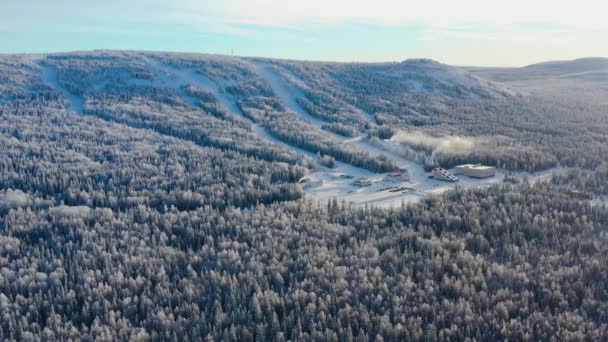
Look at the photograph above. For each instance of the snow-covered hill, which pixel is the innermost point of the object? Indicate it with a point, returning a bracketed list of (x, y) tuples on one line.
[(583, 69), (569, 68), (427, 76)]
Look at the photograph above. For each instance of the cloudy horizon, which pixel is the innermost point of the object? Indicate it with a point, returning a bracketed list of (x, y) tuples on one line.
[(471, 32)]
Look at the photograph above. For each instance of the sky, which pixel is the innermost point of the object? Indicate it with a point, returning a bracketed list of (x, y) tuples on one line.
[(459, 32)]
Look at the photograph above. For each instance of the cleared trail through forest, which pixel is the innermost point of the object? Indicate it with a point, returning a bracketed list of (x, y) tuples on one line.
[(171, 78), (175, 78), (190, 76), (288, 94), (49, 76), (295, 83)]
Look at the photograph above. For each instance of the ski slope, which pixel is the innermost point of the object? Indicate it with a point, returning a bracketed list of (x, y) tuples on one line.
[(49, 76), (181, 77), (334, 183), (325, 182), (288, 94), (338, 182), (175, 78)]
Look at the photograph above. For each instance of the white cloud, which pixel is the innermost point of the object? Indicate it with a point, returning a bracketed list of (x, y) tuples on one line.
[(482, 32), (487, 32), (584, 14)]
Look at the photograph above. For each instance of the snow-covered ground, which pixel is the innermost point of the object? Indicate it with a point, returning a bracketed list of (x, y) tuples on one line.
[(49, 76), (386, 193), (379, 193)]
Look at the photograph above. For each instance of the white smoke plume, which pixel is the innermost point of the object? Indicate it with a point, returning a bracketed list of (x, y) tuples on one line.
[(448, 145), (66, 211)]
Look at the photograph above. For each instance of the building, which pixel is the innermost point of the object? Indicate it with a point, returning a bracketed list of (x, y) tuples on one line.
[(401, 175), (444, 175), (476, 170), (362, 182)]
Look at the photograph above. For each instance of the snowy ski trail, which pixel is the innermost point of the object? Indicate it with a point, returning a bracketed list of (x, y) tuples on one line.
[(175, 78), (49, 76)]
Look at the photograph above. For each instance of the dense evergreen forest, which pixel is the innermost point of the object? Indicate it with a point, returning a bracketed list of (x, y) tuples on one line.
[(136, 203)]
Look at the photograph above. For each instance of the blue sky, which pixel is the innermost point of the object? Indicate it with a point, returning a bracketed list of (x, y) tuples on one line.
[(465, 32)]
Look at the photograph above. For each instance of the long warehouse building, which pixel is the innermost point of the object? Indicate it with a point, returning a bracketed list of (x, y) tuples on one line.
[(476, 170)]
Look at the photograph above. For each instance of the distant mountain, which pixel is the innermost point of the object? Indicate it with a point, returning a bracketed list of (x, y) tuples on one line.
[(590, 69), (584, 69), (434, 77), (409, 77), (573, 66)]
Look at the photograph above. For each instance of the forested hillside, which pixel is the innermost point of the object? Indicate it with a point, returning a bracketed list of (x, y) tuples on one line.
[(525, 121), (156, 196)]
